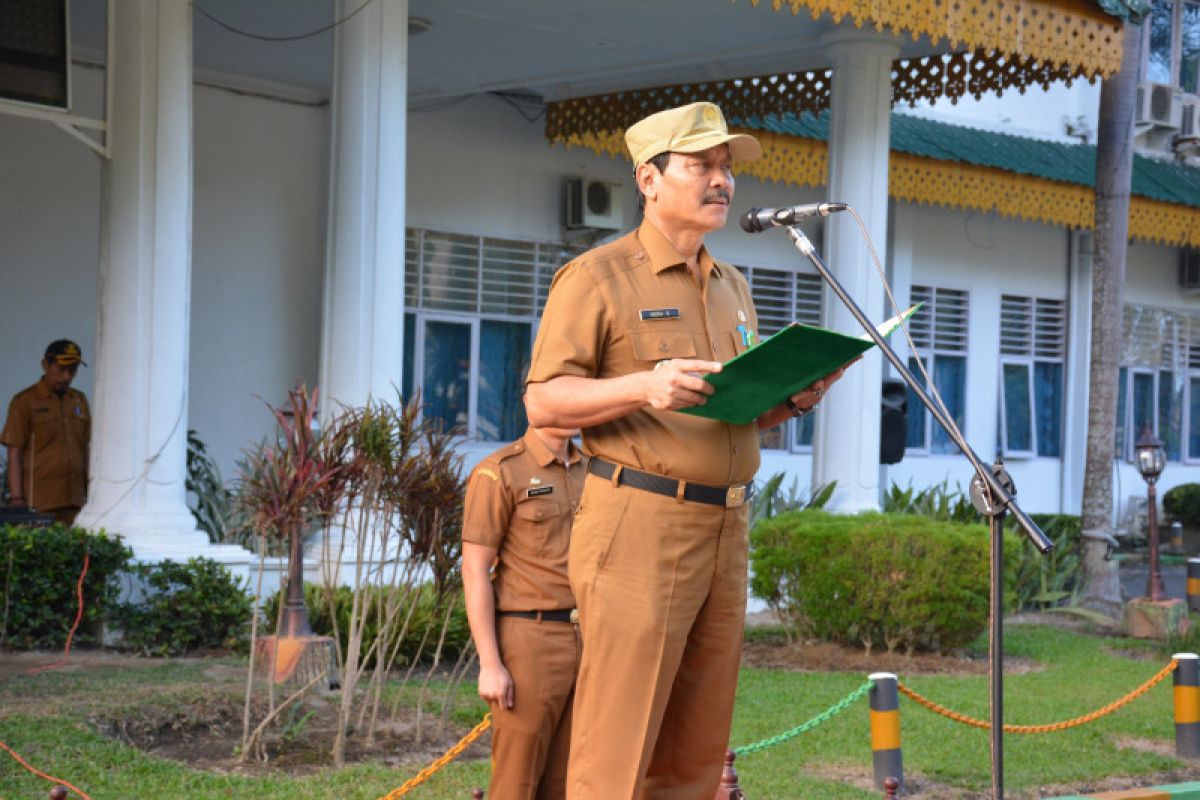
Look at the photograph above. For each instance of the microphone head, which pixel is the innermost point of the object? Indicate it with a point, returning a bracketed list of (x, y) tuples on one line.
[(751, 222)]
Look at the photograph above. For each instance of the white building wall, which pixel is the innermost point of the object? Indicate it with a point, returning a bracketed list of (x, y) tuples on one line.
[(49, 242), (257, 262), (1044, 114)]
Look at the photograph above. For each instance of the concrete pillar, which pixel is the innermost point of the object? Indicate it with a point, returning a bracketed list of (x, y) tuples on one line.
[(139, 440), (846, 444), (362, 348)]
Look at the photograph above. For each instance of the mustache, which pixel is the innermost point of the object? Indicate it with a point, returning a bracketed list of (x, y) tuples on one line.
[(718, 193)]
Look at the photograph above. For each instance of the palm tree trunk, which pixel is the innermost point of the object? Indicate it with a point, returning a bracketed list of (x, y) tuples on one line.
[(1114, 168)]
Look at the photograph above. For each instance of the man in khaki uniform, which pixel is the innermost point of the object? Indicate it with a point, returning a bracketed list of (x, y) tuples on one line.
[(48, 431), (659, 546), (519, 505)]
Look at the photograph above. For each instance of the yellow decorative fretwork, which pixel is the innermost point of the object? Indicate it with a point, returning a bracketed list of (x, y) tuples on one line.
[(798, 161), (1073, 33)]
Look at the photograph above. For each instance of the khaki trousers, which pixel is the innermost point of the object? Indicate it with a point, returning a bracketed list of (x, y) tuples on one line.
[(531, 740), (661, 589)]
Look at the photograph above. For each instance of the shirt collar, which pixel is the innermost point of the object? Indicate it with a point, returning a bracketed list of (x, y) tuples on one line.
[(542, 455), (663, 254), (43, 391)]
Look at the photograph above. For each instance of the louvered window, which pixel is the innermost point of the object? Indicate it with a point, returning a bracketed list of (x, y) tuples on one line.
[(780, 298), (939, 331), (1159, 383), (471, 309), (1033, 343)]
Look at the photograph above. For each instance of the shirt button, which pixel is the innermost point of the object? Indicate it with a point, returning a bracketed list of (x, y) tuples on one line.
[(663, 346), (714, 344), (640, 254), (737, 449)]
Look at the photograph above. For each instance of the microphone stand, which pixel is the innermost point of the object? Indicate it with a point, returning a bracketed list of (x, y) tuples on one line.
[(991, 492)]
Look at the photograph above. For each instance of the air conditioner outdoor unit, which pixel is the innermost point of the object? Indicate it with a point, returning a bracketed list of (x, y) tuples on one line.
[(1159, 104), (1189, 269), (591, 203), (1189, 108)]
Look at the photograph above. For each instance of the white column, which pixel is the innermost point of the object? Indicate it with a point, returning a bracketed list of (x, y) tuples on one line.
[(139, 439), (362, 348), (1076, 384), (846, 444)]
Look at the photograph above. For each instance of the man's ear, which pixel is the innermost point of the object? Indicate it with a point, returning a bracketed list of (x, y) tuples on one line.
[(644, 175)]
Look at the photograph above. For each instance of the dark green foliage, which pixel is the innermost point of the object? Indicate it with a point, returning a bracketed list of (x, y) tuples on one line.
[(185, 607), (936, 502), (1182, 503), (771, 500), (211, 502), (39, 572), (1044, 581), (420, 639), (875, 580)]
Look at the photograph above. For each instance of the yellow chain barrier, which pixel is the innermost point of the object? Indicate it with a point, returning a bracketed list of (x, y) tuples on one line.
[(445, 759), (1050, 728)]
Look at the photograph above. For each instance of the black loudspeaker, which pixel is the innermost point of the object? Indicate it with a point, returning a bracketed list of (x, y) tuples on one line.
[(893, 428)]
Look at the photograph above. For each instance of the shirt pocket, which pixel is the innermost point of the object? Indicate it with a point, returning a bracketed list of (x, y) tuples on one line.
[(538, 522), (658, 345), (45, 431)]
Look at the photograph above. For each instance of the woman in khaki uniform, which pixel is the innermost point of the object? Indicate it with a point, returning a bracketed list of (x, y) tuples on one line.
[(659, 545), (519, 506)]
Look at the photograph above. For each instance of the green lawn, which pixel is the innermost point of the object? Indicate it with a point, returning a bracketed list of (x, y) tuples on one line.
[(1079, 674)]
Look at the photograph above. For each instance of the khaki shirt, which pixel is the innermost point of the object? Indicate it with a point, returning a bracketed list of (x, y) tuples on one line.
[(521, 501), (625, 306), (53, 432)]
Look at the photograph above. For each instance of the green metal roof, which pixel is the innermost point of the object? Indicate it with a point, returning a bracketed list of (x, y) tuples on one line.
[(1056, 161), (1129, 10)]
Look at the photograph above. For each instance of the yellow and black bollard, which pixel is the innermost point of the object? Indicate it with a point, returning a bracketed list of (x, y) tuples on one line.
[(1187, 705), (1193, 584), (885, 729)]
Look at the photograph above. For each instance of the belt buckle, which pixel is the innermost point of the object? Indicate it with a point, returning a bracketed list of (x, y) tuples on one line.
[(735, 496), (574, 616)]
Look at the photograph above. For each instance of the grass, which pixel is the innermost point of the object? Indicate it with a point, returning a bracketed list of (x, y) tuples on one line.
[(1080, 674)]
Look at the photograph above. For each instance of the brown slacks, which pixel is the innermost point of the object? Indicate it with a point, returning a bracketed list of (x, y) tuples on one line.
[(661, 589), (531, 740)]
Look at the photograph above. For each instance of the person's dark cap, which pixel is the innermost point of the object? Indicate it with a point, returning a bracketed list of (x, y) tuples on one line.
[(64, 352)]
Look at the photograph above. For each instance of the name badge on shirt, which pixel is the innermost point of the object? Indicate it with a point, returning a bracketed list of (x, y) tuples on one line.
[(659, 313), (539, 491)]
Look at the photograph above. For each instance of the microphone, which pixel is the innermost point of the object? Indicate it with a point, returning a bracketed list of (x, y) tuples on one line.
[(757, 220)]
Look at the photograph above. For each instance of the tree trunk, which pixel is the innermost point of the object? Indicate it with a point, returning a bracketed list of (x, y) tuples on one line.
[(1114, 168)]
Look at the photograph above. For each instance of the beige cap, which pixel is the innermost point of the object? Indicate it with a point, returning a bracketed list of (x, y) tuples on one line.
[(687, 129)]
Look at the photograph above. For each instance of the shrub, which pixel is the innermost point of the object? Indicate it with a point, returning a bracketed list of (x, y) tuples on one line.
[(1183, 503), (39, 571), (1043, 581), (186, 607), (424, 627), (875, 580)]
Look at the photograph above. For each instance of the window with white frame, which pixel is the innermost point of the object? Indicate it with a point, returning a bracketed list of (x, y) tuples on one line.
[(1172, 45), (471, 310), (939, 331), (1033, 341), (782, 297), (1159, 381)]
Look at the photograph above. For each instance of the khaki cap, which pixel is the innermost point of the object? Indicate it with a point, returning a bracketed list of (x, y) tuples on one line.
[(687, 129)]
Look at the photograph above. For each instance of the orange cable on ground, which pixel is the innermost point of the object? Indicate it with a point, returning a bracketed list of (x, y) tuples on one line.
[(445, 759), (87, 557), (1051, 727), (41, 774)]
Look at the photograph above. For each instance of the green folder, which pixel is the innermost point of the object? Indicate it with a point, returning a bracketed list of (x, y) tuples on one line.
[(760, 378)]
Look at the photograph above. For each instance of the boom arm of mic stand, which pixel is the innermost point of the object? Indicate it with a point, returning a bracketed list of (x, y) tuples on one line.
[(1001, 496)]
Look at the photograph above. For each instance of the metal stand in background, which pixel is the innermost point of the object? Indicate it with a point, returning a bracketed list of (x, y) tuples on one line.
[(993, 486)]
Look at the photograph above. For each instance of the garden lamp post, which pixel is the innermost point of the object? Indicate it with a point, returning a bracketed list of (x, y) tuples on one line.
[(1151, 458)]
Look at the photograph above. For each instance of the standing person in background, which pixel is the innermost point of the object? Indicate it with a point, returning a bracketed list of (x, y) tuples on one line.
[(517, 517), (48, 432), (659, 546)]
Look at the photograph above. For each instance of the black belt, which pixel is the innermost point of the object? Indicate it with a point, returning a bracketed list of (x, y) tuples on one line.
[(724, 496), (555, 615)]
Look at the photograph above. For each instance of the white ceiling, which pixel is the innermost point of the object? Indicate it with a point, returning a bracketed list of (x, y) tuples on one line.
[(554, 48)]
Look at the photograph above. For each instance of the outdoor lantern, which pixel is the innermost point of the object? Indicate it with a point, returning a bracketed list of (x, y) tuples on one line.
[(1151, 458)]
